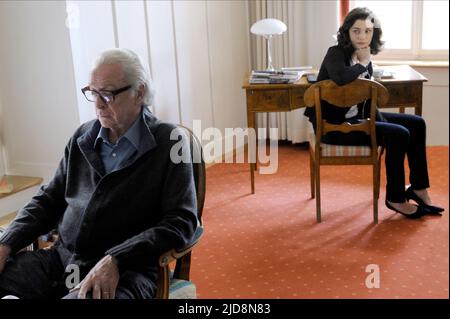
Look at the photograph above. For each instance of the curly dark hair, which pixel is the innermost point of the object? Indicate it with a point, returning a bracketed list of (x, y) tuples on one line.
[(360, 14)]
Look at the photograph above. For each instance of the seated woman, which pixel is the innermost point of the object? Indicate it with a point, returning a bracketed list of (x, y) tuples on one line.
[(358, 38)]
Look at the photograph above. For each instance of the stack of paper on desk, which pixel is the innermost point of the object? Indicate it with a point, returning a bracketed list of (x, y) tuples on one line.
[(382, 74), (275, 77)]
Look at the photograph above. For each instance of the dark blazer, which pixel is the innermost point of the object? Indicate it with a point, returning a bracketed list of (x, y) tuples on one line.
[(336, 67), (134, 213)]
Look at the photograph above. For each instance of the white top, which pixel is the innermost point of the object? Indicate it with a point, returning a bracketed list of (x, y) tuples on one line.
[(353, 111)]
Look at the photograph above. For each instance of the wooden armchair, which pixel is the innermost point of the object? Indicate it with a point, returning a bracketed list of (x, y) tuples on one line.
[(327, 154)]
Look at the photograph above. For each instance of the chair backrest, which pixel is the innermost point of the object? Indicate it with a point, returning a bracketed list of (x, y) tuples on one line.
[(347, 95), (183, 255), (198, 164)]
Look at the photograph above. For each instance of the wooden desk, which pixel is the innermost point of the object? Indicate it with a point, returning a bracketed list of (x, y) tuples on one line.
[(405, 90)]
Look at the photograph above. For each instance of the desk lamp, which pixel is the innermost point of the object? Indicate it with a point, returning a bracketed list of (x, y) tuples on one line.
[(268, 28)]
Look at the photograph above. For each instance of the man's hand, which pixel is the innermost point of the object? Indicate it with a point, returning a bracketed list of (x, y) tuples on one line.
[(102, 280), (5, 251), (363, 55)]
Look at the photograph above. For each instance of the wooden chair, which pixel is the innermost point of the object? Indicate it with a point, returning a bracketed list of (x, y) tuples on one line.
[(176, 284), (327, 154)]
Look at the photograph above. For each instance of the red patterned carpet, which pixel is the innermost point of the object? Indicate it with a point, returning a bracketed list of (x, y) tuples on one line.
[(268, 245)]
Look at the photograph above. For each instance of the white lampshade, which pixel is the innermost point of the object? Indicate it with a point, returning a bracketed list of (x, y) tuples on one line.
[(268, 27)]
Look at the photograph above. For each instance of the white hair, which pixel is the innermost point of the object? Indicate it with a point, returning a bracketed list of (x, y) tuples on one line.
[(132, 67)]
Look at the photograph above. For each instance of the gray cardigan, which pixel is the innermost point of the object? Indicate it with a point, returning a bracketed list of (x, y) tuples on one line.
[(134, 213)]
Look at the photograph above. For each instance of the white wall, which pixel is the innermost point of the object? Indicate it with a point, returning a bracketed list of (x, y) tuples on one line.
[(435, 104), (2, 165), (192, 47), (37, 88), (196, 51), (228, 55), (321, 25), (163, 55), (91, 31)]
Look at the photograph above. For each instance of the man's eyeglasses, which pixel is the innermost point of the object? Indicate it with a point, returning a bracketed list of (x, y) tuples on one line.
[(106, 96)]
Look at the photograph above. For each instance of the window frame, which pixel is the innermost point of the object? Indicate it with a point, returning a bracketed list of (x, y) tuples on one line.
[(416, 52)]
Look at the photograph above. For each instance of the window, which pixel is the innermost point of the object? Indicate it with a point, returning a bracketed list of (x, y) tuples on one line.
[(412, 29)]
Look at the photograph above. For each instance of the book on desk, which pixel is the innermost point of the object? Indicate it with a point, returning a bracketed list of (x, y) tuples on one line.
[(274, 77), (379, 73), (281, 76)]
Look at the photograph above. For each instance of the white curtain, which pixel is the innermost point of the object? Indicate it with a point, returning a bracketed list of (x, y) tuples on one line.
[(288, 50)]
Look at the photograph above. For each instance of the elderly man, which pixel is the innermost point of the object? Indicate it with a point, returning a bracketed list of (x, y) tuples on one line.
[(117, 200)]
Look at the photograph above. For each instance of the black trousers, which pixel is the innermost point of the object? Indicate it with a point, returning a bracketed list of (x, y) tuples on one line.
[(40, 275), (403, 134), (400, 134)]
